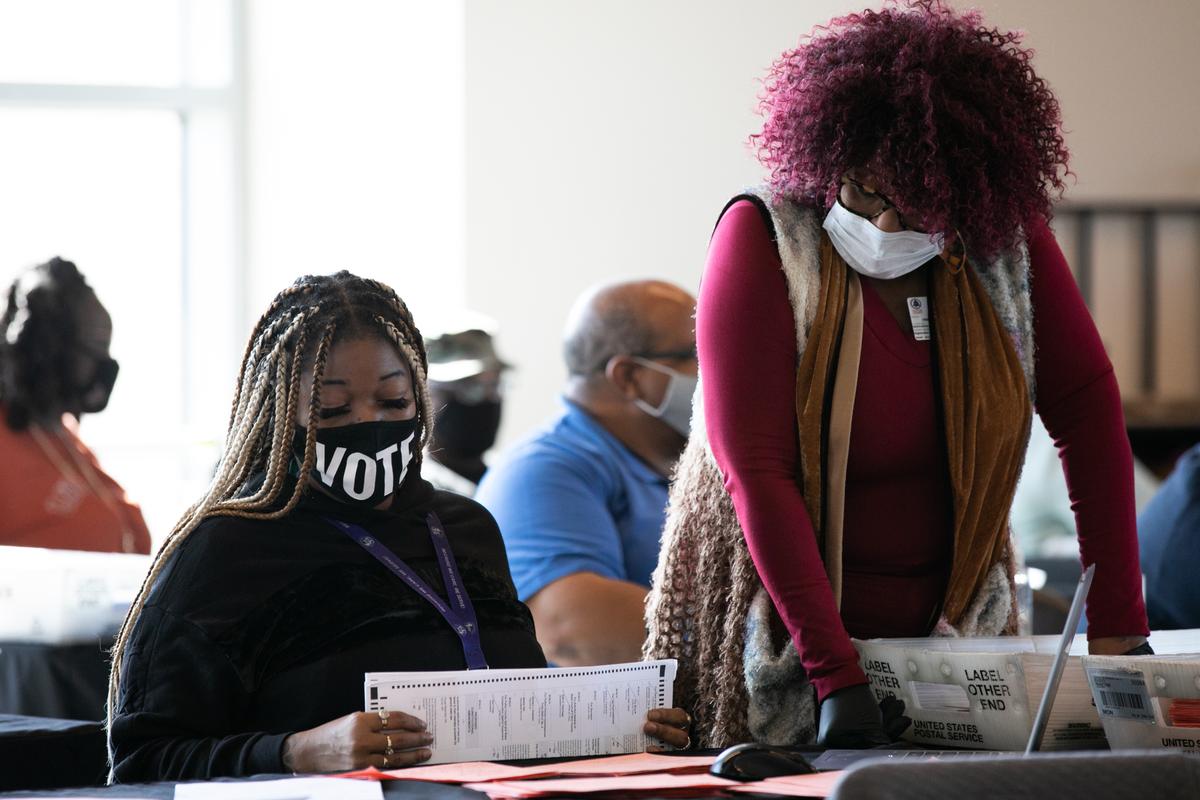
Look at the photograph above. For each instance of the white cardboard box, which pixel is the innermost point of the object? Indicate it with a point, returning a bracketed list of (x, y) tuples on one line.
[(983, 693), (63, 596), (1134, 698)]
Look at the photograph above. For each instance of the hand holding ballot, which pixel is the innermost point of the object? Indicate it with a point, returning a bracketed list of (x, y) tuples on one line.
[(669, 725), (387, 739), (362, 739)]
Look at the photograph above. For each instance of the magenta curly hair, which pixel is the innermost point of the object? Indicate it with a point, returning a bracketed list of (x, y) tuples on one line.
[(947, 113)]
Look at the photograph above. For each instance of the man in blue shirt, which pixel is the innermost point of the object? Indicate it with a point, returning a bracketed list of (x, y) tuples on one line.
[(1169, 536), (581, 504)]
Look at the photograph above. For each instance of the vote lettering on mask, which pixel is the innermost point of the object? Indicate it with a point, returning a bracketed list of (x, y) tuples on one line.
[(362, 464)]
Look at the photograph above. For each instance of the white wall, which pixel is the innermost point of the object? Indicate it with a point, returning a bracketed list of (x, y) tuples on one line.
[(605, 135), (355, 144)]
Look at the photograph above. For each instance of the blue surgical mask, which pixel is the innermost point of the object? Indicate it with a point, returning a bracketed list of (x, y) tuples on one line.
[(675, 409)]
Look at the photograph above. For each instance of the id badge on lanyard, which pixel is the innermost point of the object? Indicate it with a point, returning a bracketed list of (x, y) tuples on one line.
[(459, 612)]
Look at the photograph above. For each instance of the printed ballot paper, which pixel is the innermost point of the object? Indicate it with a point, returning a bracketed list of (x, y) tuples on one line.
[(501, 714)]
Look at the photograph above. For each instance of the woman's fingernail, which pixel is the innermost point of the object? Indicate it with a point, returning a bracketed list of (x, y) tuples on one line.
[(426, 738), (651, 728)]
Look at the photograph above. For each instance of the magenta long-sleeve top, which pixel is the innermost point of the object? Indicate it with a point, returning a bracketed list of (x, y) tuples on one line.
[(898, 530)]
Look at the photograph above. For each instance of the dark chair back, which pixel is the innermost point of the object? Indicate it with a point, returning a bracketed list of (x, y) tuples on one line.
[(1159, 774)]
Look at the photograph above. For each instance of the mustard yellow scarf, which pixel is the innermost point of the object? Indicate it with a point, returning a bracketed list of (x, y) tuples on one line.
[(984, 404)]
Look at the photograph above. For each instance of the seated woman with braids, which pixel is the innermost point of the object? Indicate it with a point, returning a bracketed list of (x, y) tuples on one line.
[(311, 559)]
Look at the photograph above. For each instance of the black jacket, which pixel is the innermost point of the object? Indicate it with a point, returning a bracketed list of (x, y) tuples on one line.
[(257, 629)]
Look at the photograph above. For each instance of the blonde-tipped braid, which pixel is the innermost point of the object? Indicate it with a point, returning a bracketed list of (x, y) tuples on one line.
[(253, 345), (220, 497), (259, 440), (279, 453), (420, 386)]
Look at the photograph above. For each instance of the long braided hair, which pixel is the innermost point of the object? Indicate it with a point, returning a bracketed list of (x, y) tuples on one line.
[(298, 329)]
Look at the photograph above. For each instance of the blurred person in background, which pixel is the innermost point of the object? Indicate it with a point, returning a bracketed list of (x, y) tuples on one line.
[(55, 367), (1169, 540), (581, 503), (465, 385)]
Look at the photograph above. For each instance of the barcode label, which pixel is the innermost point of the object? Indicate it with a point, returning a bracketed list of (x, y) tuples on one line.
[(1122, 700), (1122, 695)]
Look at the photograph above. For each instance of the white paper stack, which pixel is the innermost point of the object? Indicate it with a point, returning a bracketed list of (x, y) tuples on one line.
[(501, 714), (63, 596), (1150, 701), (285, 789)]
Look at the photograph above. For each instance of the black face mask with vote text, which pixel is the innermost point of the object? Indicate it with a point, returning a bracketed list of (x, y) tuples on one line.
[(363, 464)]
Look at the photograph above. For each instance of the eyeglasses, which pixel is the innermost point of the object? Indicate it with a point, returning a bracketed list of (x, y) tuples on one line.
[(862, 202), (687, 354)]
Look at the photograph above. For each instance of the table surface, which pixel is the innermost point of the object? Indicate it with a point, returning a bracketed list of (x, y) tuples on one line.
[(420, 790), (411, 790)]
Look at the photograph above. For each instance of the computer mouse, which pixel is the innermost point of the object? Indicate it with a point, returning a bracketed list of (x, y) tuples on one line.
[(753, 762)]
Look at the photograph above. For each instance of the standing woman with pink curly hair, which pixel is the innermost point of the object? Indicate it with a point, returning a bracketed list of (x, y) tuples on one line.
[(876, 327)]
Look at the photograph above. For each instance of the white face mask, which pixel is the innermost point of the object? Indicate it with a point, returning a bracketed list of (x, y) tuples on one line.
[(675, 409), (875, 253)]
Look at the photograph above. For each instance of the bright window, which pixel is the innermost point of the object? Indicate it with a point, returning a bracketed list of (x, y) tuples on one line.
[(194, 156), (118, 124)]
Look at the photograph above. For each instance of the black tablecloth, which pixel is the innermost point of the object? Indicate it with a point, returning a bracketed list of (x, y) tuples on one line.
[(410, 790), (36, 752), (60, 681)]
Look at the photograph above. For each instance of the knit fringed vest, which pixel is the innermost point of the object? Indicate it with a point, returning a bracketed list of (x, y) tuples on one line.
[(707, 606)]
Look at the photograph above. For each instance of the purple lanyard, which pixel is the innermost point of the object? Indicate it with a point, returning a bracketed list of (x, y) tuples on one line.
[(461, 615)]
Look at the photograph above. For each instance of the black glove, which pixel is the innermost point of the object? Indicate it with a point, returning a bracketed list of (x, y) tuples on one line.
[(852, 720)]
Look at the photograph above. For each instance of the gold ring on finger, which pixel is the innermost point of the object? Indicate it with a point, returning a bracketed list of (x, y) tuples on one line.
[(388, 736), (383, 716), (688, 744), (388, 752), (385, 761), (687, 720)]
